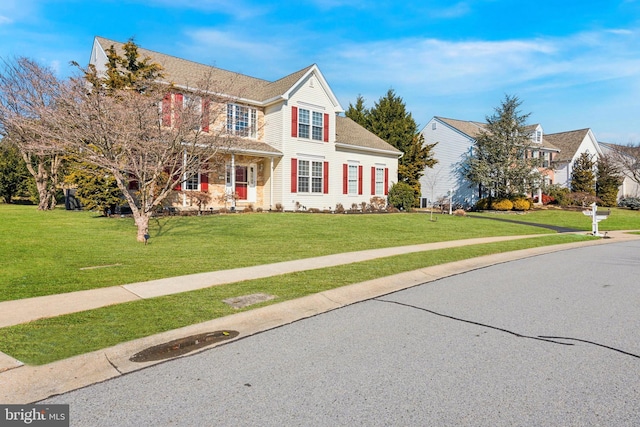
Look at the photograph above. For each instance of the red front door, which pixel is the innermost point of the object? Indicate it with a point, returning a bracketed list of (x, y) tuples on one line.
[(241, 182)]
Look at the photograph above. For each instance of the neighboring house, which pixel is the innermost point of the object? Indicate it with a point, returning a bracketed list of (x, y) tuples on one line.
[(571, 144), (629, 187), (297, 151), (455, 140)]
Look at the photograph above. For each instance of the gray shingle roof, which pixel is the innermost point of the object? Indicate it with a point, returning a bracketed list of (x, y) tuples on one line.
[(351, 133), (473, 129), (567, 142), (188, 73)]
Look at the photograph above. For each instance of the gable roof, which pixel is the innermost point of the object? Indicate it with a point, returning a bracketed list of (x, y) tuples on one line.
[(185, 73), (350, 133), (473, 129), (568, 143)]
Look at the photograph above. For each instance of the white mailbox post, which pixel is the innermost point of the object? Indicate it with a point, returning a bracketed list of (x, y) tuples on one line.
[(596, 218)]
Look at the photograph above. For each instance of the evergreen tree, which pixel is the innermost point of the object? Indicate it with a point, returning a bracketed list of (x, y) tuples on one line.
[(583, 178), (500, 161), (608, 179), (13, 172), (390, 120), (358, 113), (96, 189)]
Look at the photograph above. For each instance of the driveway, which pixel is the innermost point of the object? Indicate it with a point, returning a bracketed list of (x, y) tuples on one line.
[(547, 340)]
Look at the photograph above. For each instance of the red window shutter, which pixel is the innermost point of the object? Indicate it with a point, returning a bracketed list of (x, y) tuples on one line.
[(177, 108), (166, 110), (325, 178), (360, 179), (345, 178), (386, 181), (205, 114), (204, 181), (373, 180), (294, 175), (326, 127), (294, 122), (133, 183)]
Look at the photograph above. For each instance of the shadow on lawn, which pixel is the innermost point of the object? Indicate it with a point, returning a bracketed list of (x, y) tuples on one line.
[(556, 228)]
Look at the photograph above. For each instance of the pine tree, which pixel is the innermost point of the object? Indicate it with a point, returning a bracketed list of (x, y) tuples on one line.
[(390, 120), (608, 179), (358, 113), (583, 178), (499, 162)]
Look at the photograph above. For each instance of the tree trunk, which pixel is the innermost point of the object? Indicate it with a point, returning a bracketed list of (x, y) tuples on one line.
[(141, 219)]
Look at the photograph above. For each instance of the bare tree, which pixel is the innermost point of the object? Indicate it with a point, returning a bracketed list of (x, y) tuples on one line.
[(127, 133), (27, 92), (627, 157), (147, 134)]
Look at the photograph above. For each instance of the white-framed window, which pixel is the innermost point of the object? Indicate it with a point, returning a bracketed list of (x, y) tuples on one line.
[(353, 179), (303, 123), (379, 180), (538, 136), (241, 120), (192, 183), (316, 126), (310, 176), (433, 126), (310, 124)]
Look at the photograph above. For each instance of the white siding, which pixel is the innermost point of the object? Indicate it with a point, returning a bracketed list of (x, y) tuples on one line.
[(451, 149)]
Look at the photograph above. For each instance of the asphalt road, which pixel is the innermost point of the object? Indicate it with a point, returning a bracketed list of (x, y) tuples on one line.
[(548, 340)]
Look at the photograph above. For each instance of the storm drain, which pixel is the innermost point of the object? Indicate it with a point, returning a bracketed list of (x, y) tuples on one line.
[(182, 346)]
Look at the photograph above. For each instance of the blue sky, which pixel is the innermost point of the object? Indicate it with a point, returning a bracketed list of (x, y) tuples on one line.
[(574, 64)]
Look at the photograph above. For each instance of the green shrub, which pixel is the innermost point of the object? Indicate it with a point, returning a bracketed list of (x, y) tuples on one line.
[(482, 204), (632, 203), (502, 205), (559, 194), (401, 196)]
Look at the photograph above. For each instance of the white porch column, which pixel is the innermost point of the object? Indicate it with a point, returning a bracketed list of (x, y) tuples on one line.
[(233, 181), (184, 178), (271, 184)]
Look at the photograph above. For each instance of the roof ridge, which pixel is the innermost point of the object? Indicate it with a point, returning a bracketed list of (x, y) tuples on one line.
[(187, 60)]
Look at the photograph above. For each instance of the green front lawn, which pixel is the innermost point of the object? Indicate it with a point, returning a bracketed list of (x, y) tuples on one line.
[(46, 253), (619, 219), (47, 340)]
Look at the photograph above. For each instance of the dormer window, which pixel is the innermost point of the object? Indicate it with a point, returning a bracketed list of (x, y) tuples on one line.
[(538, 136)]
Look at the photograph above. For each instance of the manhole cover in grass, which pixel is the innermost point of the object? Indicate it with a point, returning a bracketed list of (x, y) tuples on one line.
[(247, 300), (182, 346)]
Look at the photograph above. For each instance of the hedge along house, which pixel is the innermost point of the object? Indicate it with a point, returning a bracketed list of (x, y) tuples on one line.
[(455, 141), (295, 151)]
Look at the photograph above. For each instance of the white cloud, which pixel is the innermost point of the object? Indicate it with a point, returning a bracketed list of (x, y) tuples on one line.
[(4, 20), (471, 66)]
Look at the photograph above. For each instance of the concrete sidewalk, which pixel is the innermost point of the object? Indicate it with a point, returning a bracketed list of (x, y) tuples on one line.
[(29, 309), (26, 384)]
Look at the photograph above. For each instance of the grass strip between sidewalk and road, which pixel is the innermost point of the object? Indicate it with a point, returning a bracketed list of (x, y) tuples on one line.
[(47, 340)]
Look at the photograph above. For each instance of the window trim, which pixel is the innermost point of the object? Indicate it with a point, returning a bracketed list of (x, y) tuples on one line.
[(232, 121)]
